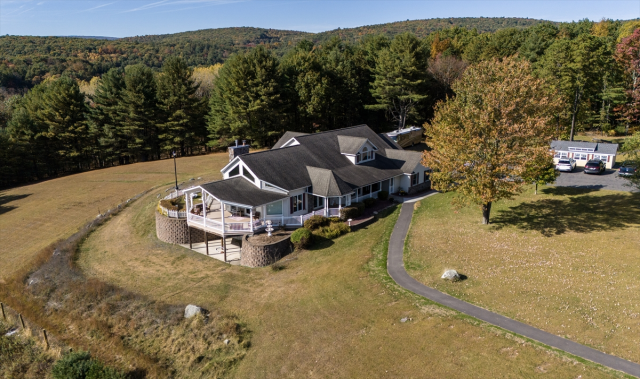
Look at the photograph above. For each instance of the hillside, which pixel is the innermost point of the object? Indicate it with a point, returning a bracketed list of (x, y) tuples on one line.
[(27, 60)]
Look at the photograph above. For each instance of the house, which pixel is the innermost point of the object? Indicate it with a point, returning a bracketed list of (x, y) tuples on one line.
[(583, 152), (301, 176)]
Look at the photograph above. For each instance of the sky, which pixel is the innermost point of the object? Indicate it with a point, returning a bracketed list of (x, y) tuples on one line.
[(139, 17)]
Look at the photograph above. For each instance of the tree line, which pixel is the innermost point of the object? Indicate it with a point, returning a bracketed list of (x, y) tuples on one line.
[(137, 113)]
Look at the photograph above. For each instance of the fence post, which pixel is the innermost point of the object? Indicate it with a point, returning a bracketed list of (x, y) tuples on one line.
[(21, 320), (46, 339), (4, 316)]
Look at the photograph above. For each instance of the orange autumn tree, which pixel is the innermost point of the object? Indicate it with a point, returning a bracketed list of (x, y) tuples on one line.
[(483, 140)]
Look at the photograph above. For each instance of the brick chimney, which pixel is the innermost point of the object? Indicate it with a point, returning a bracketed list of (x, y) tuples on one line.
[(236, 151)]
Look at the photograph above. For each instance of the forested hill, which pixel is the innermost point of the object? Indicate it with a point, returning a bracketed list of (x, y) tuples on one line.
[(26, 60), (421, 28)]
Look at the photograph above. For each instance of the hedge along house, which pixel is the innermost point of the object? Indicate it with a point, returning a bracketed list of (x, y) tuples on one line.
[(301, 176), (583, 152)]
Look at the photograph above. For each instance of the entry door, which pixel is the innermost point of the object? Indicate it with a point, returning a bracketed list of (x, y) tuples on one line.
[(391, 185)]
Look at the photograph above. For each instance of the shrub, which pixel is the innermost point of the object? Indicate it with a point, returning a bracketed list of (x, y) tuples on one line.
[(301, 238), (74, 365), (349, 212), (80, 366), (334, 219), (315, 222), (360, 206), (383, 195), (368, 203), (334, 230)]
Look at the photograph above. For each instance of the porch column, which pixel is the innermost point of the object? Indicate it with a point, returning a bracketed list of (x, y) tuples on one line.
[(222, 216), (339, 204), (251, 218), (204, 209)]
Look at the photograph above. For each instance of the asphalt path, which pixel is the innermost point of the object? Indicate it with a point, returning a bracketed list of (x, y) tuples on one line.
[(395, 267)]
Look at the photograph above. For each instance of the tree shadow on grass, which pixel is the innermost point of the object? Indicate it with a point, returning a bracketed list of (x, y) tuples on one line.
[(571, 190), (5, 199), (581, 213)]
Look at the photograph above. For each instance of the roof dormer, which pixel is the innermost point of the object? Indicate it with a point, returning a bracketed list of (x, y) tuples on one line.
[(357, 149)]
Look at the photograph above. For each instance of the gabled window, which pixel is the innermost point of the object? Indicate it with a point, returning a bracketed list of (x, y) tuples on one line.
[(247, 174), (365, 155), (235, 171)]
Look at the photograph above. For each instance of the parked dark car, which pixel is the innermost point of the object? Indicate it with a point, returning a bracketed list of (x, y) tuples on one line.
[(594, 166), (628, 169)]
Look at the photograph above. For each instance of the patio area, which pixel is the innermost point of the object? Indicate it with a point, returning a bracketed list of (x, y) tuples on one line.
[(215, 250)]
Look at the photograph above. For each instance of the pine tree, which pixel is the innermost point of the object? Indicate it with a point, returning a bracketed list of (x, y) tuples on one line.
[(574, 68), (400, 83), (106, 118), (139, 113), (183, 111), (64, 114), (246, 101)]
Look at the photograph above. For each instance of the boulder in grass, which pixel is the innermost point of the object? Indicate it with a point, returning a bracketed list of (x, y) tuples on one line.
[(451, 275), (192, 310)]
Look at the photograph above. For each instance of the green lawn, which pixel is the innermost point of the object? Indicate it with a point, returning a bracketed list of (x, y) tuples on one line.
[(566, 261), (332, 312)]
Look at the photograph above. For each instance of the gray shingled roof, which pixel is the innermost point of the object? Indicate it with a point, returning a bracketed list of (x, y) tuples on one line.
[(406, 159), (287, 167), (602, 148), (286, 137), (350, 145), (326, 183), (241, 191)]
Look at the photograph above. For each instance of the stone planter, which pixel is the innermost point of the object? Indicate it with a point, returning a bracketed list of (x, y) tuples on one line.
[(256, 255)]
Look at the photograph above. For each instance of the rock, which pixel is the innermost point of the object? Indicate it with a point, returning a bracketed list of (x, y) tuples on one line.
[(192, 310), (451, 275), (226, 342), (404, 319)]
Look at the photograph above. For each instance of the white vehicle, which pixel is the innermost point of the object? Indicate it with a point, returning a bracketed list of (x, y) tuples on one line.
[(407, 136), (566, 164)]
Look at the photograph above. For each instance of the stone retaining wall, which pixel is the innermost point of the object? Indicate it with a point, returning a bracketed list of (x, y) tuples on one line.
[(263, 255), (175, 230)]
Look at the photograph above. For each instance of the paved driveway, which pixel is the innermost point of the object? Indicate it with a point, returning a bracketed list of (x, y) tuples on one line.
[(608, 180)]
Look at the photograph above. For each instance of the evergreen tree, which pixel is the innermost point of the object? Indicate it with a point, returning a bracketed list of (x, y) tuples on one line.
[(105, 116), (139, 113), (64, 114), (246, 100), (574, 67), (182, 110), (400, 83)]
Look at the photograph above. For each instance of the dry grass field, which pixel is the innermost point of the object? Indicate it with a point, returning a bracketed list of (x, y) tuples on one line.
[(565, 260), (35, 215), (331, 312)]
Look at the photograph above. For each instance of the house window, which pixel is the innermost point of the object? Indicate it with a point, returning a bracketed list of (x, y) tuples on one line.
[(358, 158), (427, 175), (235, 171), (365, 154), (375, 187), (560, 154), (274, 208), (414, 178), (247, 174), (601, 157), (297, 203), (318, 202), (366, 190), (580, 156)]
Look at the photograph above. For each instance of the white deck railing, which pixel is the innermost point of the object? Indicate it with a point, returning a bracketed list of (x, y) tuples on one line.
[(214, 225)]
